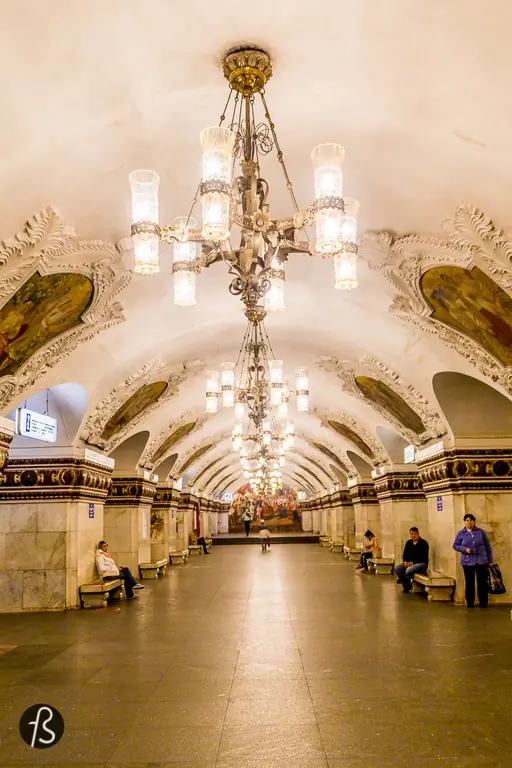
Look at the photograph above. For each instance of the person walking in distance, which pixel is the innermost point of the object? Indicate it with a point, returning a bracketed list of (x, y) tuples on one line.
[(247, 522), (264, 537), (475, 558)]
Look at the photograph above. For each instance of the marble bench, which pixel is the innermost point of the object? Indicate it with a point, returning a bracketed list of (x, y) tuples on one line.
[(337, 546), (195, 549), (209, 543), (437, 586), (95, 593), (324, 541), (178, 556), (352, 553), (152, 570), (382, 566)]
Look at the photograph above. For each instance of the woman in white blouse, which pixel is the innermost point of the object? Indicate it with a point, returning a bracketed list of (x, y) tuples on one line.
[(107, 569)]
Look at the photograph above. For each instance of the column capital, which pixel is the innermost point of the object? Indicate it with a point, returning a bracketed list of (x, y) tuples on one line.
[(363, 492), (399, 486), (54, 478), (130, 490), (166, 496), (463, 470), (339, 498)]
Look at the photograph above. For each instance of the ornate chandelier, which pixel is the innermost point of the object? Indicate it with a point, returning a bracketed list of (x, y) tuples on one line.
[(230, 197)]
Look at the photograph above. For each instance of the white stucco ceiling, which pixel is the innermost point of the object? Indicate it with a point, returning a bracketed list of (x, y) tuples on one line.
[(416, 92)]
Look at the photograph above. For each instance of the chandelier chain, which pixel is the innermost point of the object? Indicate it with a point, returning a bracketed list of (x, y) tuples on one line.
[(280, 157)]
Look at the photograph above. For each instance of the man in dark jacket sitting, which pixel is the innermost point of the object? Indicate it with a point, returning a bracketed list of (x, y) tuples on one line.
[(415, 559)]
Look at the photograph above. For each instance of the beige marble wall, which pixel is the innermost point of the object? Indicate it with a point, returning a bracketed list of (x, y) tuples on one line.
[(159, 533), (493, 512), (317, 519), (127, 530), (47, 549), (307, 520), (367, 516), (396, 518)]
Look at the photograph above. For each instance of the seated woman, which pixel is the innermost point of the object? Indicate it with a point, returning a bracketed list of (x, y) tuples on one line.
[(108, 570), (372, 549)]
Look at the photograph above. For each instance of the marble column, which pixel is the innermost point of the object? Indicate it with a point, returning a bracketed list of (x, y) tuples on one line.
[(306, 516), (461, 480), (316, 511), (51, 520), (185, 519), (402, 504), (163, 522), (205, 517), (366, 509), (128, 518), (342, 517)]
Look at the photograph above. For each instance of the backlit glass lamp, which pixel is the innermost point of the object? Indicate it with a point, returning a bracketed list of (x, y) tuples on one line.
[(302, 389), (345, 260), (282, 408), (228, 385), (145, 229), (212, 391), (184, 267), (267, 434), (276, 381), (239, 410), (217, 145), (327, 163), (274, 297)]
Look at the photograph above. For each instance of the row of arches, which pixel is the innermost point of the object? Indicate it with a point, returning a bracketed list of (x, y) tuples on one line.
[(473, 411)]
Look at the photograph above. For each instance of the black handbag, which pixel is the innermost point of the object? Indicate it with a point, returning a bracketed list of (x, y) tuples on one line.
[(495, 585)]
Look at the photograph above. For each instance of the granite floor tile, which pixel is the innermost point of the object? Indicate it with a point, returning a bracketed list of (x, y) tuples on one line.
[(143, 745), (177, 714), (282, 663), (288, 743)]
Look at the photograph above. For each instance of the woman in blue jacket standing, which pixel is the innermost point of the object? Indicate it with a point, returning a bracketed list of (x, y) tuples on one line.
[(476, 557)]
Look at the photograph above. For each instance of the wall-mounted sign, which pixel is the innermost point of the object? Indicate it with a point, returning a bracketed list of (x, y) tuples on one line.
[(227, 497), (91, 511), (39, 426), (409, 454), (439, 503)]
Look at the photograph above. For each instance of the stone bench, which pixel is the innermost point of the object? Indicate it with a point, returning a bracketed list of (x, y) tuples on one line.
[(324, 541), (195, 549), (152, 570), (352, 553), (178, 556), (436, 585), (95, 593), (382, 566), (208, 542), (337, 546)]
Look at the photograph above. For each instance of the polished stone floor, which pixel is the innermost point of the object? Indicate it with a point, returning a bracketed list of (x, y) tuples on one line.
[(280, 660)]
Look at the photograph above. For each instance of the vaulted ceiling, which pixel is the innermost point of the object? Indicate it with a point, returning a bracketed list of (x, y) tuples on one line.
[(417, 95)]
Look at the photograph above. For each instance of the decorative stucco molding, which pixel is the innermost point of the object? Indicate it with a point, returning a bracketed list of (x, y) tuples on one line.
[(399, 486), (369, 366), (378, 450), (363, 493), (473, 241), (48, 246), (146, 460), (202, 448), (459, 470), (131, 491), (152, 371), (47, 479)]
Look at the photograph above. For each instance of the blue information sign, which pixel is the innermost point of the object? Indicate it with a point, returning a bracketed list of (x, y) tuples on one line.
[(439, 502), (91, 511)]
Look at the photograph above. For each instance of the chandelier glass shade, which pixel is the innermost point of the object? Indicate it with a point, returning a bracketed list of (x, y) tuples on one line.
[(234, 195)]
